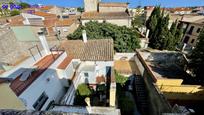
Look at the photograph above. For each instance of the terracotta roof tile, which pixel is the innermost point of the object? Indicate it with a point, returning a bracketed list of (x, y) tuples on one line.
[(65, 62), (65, 22), (93, 50), (113, 4), (16, 20), (49, 22), (44, 14), (104, 15), (19, 86), (46, 7)]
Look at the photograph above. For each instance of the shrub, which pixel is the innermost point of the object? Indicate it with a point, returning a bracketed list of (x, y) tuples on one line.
[(14, 12), (84, 90), (120, 78)]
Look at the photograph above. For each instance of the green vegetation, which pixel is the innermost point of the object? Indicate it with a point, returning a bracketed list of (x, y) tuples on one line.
[(197, 63), (120, 78), (125, 103), (24, 5), (125, 39), (160, 36), (80, 9), (82, 92), (14, 12), (138, 21)]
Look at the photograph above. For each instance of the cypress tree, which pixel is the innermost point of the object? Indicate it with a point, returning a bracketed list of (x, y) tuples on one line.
[(151, 23), (160, 36), (197, 63)]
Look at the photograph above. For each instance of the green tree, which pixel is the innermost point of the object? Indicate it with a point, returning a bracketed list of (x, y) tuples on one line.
[(14, 12), (80, 9), (160, 36), (24, 5), (179, 33), (138, 21), (152, 21), (197, 63), (125, 39)]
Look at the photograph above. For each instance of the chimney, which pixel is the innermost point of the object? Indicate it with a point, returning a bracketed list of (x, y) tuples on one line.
[(44, 42), (184, 46), (84, 36), (147, 33)]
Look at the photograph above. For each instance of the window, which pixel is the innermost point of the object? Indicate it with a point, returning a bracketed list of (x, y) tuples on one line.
[(86, 75), (192, 41), (40, 101), (191, 30), (65, 16), (186, 39), (198, 30), (50, 105)]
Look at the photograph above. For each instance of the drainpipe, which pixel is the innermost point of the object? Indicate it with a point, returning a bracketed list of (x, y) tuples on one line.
[(84, 36), (44, 42)]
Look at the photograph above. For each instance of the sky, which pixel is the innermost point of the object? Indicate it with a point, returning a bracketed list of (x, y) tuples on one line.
[(133, 3)]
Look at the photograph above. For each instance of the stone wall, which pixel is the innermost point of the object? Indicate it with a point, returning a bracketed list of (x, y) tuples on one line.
[(13, 51), (157, 102), (90, 5), (112, 9)]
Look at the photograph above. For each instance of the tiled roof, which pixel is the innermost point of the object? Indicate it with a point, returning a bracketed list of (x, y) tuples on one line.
[(16, 20), (65, 22), (93, 50), (179, 9), (44, 14), (5, 80), (19, 86), (46, 7), (49, 22), (113, 4), (29, 9), (105, 15), (65, 62)]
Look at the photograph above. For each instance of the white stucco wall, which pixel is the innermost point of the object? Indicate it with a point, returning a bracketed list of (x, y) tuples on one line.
[(52, 87), (127, 56), (100, 70)]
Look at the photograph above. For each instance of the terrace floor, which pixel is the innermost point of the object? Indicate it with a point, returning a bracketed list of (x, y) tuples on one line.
[(126, 67)]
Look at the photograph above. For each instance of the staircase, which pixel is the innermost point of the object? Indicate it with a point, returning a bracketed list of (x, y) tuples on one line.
[(68, 99), (141, 95)]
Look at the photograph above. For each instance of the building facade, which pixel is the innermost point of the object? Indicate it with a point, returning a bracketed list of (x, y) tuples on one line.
[(114, 13), (191, 31)]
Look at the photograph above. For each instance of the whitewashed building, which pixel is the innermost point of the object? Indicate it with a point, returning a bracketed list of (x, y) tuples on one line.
[(112, 12), (90, 62), (35, 81)]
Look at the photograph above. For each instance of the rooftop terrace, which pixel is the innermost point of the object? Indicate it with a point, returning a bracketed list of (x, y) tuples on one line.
[(167, 64), (18, 85)]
